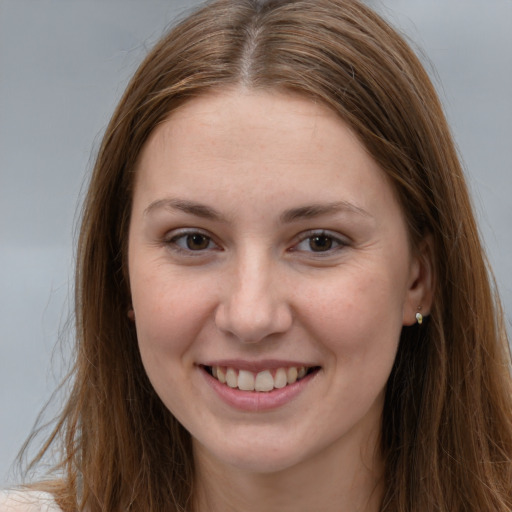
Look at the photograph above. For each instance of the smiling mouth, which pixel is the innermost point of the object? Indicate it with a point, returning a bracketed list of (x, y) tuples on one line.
[(263, 381)]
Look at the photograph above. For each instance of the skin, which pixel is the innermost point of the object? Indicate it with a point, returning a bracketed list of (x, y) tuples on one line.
[(255, 287)]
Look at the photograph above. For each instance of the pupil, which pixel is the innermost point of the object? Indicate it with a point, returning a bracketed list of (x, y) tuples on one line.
[(320, 243), (197, 242)]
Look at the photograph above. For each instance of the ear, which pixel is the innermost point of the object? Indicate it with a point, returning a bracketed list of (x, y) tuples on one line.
[(420, 291)]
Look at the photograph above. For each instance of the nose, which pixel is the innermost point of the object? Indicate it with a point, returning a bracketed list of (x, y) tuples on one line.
[(254, 303)]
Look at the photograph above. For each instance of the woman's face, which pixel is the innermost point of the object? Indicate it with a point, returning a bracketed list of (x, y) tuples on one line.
[(271, 276)]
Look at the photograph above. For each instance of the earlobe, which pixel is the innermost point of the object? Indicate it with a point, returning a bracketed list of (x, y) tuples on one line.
[(420, 292), (131, 314)]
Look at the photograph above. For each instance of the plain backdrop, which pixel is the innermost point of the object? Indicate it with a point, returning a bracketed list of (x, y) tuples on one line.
[(63, 66)]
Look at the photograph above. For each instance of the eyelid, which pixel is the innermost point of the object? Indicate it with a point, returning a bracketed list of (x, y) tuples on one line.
[(340, 240), (173, 236)]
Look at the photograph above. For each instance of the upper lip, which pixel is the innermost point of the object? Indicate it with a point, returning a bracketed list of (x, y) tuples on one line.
[(258, 366)]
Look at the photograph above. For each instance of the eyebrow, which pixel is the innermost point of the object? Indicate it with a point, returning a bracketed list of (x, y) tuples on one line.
[(317, 210), (183, 205), (292, 215)]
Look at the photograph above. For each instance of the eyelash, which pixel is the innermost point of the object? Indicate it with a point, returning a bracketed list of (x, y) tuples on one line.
[(186, 235), (335, 242), (179, 242)]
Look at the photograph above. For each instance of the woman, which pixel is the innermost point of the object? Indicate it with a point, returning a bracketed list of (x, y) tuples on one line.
[(281, 297)]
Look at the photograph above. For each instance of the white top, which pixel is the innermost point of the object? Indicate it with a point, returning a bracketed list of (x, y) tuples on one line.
[(27, 501)]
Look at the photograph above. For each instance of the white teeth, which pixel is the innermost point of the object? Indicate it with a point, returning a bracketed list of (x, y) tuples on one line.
[(280, 378), (291, 375), (221, 376), (263, 381), (231, 378), (246, 380)]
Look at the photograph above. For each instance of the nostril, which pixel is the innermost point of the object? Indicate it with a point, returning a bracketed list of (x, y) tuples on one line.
[(254, 322)]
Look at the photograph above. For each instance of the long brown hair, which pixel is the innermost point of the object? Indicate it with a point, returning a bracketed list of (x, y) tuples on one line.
[(447, 420)]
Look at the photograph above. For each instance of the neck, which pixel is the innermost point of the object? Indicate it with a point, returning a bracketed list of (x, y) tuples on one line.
[(337, 479)]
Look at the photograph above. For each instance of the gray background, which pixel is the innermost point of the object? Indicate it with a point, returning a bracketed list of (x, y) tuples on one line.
[(63, 66)]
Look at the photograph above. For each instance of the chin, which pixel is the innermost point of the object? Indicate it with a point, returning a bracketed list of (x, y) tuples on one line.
[(253, 457)]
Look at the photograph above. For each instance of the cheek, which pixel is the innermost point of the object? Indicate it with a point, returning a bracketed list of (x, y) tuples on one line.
[(169, 319), (169, 312), (359, 331), (358, 319)]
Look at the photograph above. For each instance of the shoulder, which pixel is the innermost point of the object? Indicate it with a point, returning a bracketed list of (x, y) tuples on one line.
[(27, 501)]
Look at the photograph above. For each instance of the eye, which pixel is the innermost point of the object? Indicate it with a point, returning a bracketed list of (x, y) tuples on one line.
[(191, 241), (319, 242)]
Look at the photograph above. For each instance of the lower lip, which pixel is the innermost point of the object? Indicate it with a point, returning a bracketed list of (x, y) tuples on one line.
[(255, 401)]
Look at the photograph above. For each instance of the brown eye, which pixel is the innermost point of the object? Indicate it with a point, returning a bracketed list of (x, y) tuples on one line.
[(191, 241), (197, 242), (320, 243)]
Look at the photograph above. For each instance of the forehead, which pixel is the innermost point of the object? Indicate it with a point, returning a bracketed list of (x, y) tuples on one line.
[(238, 113), (258, 144), (229, 122)]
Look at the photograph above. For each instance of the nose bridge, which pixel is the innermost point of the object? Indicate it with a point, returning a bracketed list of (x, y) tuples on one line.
[(254, 303)]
